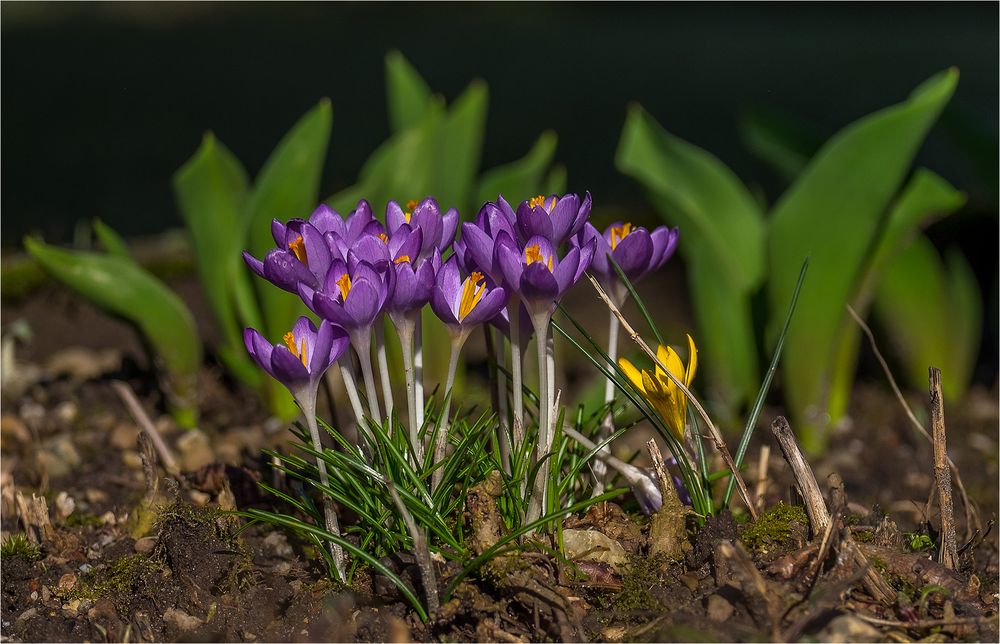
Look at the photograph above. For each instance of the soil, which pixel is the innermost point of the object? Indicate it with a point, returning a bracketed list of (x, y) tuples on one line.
[(131, 558)]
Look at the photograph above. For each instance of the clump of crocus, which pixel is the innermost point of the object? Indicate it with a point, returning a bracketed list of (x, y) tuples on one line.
[(636, 250), (299, 363), (661, 392)]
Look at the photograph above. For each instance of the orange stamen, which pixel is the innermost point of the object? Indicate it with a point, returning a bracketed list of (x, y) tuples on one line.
[(402, 258), (533, 254), (472, 291), (537, 201), (344, 282), (619, 233), (298, 247), (300, 351)]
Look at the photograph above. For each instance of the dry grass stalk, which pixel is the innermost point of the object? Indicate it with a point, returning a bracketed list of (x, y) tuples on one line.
[(142, 419), (948, 554), (716, 435), (972, 522), (420, 551), (760, 491)]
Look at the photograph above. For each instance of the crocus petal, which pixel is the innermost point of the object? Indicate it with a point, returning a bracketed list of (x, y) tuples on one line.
[(506, 211), (288, 368), (478, 247), (362, 303), (408, 244), (255, 264), (507, 257), (565, 271), (331, 309), (394, 217), (319, 358), (586, 258), (631, 373), (305, 330), (633, 253), (357, 220), (563, 217), (259, 349), (317, 250), (278, 231), (325, 220), (371, 250), (449, 226), (533, 222), (599, 265), (444, 307), (487, 308), (692, 365), (538, 283), (285, 271)]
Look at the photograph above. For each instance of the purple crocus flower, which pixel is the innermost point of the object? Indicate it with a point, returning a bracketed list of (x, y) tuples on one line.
[(302, 255), (555, 218), (354, 294), (304, 356), (413, 285), (475, 249), (438, 230), (464, 304), (636, 250), (536, 272)]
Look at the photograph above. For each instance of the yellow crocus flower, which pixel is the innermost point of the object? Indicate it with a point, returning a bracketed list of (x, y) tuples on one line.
[(661, 392)]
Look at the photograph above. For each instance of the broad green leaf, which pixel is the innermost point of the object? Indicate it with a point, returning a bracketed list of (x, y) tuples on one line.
[(832, 215), (210, 190), (110, 241), (120, 286), (725, 334), (780, 142), (407, 95), (925, 197), (934, 313), (287, 187), (521, 179), (462, 147), (709, 203)]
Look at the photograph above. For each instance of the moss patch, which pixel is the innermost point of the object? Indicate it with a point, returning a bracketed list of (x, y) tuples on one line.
[(18, 545), (641, 575), (119, 580), (775, 527)]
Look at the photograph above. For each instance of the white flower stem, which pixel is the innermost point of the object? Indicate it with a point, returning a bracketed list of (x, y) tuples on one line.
[(418, 370), (516, 360), (607, 425), (352, 394), (503, 435), (362, 347), (383, 368), (537, 506), (308, 403), (405, 329), (440, 445)]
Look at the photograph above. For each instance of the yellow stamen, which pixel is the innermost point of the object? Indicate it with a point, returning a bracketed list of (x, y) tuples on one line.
[(383, 237), (344, 282), (298, 352), (411, 205), (402, 258), (618, 233), (472, 291), (298, 247), (533, 254), (537, 201)]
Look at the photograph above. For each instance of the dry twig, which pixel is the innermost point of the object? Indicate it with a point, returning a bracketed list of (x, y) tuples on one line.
[(142, 419), (716, 436), (948, 554), (819, 517), (972, 521), (420, 550)]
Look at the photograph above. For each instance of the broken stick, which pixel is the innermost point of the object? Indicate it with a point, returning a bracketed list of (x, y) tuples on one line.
[(948, 555), (819, 516)]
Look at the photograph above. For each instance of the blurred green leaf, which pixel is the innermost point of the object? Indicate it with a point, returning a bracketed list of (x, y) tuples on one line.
[(521, 179), (461, 149), (779, 141), (210, 189), (722, 240), (934, 313), (555, 181), (925, 197), (832, 214), (110, 241), (120, 286), (287, 187), (697, 192), (407, 94)]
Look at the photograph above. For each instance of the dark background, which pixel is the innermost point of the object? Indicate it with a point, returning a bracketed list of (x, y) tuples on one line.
[(102, 102)]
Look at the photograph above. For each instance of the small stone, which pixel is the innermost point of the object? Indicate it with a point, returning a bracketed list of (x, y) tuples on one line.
[(195, 450), (93, 495), (67, 412), (26, 615), (591, 545), (34, 595), (719, 609), (67, 582), (132, 460), (72, 607), (614, 633), (83, 364), (847, 628), (46, 594), (108, 518), (124, 436), (277, 544), (199, 498), (58, 456), (13, 428), (85, 568), (64, 505), (283, 568), (146, 544), (181, 620)]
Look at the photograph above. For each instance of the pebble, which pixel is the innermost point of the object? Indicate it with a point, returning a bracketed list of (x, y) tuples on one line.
[(93, 495), (199, 498), (72, 607), (181, 620), (591, 545), (277, 544), (58, 456), (131, 460), (719, 609), (108, 518), (67, 582), (46, 594), (64, 505), (195, 450), (26, 615), (144, 545), (85, 568), (67, 412), (34, 595), (124, 436), (847, 628), (83, 364), (13, 428)]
